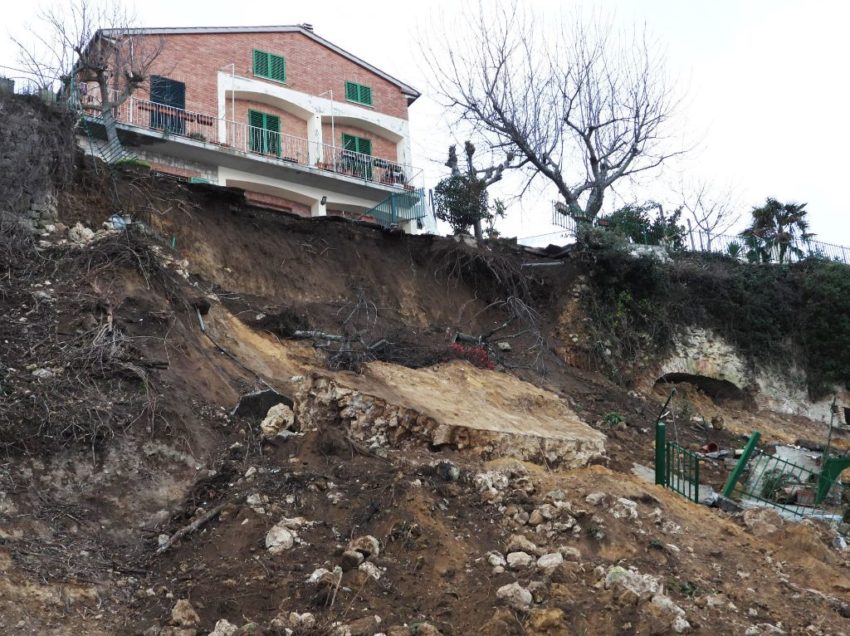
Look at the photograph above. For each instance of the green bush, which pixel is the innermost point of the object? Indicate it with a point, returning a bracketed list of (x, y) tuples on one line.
[(772, 314)]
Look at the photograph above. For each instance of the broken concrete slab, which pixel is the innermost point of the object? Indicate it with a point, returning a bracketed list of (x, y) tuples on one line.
[(455, 405), (256, 405)]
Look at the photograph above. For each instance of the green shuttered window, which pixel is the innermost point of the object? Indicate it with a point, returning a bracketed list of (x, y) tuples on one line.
[(358, 93), (357, 144), (269, 65), (264, 132)]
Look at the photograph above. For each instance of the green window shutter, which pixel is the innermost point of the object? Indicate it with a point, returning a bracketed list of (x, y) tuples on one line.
[(349, 142), (277, 68), (256, 119), (351, 91), (263, 132), (358, 93), (261, 63), (364, 146), (269, 66), (357, 144), (365, 95)]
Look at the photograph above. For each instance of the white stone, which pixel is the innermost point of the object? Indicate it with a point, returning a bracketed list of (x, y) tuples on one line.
[(279, 539), (371, 569), (595, 498), (680, 625), (495, 559), (224, 628), (550, 561), (279, 418), (515, 596), (517, 560)]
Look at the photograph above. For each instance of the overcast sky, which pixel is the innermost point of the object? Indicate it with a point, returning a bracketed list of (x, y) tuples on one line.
[(765, 82)]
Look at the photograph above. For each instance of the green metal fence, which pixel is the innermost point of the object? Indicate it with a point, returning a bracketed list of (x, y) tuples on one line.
[(676, 467), (400, 207)]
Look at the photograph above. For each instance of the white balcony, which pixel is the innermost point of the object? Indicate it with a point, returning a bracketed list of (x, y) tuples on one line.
[(195, 128)]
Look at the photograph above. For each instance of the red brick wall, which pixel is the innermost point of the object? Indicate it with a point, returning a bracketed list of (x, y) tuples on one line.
[(174, 170), (381, 147), (310, 67)]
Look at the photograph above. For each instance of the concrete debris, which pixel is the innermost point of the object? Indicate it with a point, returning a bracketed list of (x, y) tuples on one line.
[(762, 521), (515, 595), (596, 498), (624, 509)]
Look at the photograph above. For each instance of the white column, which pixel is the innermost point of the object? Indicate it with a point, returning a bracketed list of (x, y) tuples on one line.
[(314, 139), (318, 209), (222, 106)]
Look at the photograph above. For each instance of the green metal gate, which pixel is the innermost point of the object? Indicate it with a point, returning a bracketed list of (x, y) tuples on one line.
[(676, 467)]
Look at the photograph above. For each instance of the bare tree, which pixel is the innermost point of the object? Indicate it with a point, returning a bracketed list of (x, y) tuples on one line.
[(713, 213), (83, 43), (581, 108)]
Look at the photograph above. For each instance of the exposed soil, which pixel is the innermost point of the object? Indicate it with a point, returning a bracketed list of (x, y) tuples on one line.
[(122, 359)]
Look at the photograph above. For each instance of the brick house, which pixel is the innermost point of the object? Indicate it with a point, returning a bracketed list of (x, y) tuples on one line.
[(297, 122)]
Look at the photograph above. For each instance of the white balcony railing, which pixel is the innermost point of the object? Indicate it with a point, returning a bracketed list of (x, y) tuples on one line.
[(283, 148)]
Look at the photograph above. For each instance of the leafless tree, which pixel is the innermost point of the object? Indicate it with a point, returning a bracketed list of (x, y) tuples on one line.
[(713, 213), (576, 103), (84, 43)]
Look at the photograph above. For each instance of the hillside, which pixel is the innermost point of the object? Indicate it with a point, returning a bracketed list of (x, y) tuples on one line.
[(405, 483)]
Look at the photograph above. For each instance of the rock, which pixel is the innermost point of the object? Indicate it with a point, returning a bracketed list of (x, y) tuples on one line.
[(520, 543), (570, 553), (366, 626), (224, 628), (256, 405), (371, 570), (680, 625), (351, 559), (80, 234), (495, 559), (550, 561), (536, 518), (43, 374), (279, 419), (665, 603), (367, 545), (184, 615), (447, 471), (279, 539), (624, 509), (503, 345), (515, 596), (762, 521), (427, 629), (547, 622), (596, 498), (640, 586), (502, 623), (305, 620), (518, 560), (398, 630)]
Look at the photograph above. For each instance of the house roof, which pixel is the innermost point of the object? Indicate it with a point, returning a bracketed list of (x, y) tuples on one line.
[(410, 92)]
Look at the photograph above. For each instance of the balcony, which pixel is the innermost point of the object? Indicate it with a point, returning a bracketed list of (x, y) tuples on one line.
[(285, 150)]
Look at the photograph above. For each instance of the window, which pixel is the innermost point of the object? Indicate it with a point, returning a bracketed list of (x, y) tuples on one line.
[(171, 96), (355, 164), (358, 93), (357, 144), (269, 65), (263, 132)]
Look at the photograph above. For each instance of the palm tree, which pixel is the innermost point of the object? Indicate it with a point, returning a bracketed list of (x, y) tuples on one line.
[(776, 230)]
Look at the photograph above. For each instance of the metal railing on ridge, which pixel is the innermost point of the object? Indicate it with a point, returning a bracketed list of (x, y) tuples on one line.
[(276, 146)]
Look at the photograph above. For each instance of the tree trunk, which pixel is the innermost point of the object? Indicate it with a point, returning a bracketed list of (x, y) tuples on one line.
[(479, 234), (110, 126)]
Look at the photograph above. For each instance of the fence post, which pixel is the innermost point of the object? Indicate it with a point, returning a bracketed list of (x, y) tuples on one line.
[(660, 453), (729, 488)]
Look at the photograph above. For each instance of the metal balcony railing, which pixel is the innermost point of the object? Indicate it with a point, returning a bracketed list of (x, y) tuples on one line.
[(276, 146)]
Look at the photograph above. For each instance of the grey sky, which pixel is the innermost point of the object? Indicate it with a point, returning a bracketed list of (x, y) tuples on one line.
[(765, 82)]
